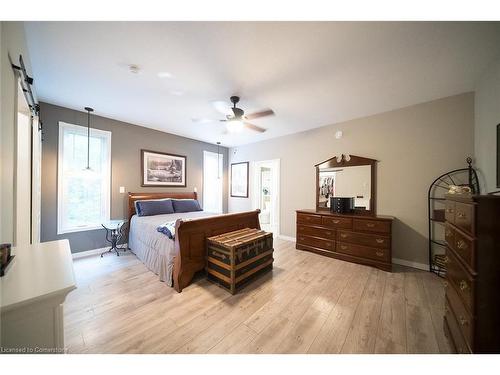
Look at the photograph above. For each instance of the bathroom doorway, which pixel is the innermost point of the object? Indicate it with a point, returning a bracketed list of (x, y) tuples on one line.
[(267, 193)]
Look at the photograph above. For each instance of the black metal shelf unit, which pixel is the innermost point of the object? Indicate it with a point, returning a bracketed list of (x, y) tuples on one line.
[(435, 203)]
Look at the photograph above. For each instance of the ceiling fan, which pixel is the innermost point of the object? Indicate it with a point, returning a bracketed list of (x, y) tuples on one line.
[(236, 119)]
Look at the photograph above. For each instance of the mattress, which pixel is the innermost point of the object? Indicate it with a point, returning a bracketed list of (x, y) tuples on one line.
[(153, 248)]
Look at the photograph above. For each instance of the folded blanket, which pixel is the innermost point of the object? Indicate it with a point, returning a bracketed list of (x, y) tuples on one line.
[(167, 229)]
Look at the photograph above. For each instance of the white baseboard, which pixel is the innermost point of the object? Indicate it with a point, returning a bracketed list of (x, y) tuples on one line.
[(407, 263), (286, 238), (87, 253)]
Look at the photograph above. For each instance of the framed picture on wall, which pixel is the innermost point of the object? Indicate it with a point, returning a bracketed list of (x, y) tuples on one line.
[(239, 180), (159, 169)]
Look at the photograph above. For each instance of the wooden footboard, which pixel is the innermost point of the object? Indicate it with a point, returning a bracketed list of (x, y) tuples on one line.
[(190, 241)]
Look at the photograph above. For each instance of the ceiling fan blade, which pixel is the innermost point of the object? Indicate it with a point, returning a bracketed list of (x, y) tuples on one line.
[(254, 127), (223, 107), (264, 113)]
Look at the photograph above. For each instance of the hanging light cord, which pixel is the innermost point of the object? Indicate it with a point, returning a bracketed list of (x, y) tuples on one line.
[(88, 109), (218, 160)]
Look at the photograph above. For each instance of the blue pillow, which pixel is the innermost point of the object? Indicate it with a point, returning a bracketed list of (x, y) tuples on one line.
[(186, 205), (154, 207)]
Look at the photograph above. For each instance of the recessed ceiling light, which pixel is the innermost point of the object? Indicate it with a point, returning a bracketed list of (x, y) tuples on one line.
[(164, 75), (134, 69)]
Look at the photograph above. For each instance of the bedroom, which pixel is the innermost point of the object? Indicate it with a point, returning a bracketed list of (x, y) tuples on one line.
[(310, 194)]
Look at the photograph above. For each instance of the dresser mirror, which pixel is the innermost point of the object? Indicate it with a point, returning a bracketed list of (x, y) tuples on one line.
[(347, 176)]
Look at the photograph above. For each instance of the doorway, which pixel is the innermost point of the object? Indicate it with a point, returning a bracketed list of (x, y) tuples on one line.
[(266, 177)]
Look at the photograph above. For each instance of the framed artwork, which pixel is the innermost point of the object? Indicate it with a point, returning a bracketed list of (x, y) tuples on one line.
[(239, 180), (159, 169)]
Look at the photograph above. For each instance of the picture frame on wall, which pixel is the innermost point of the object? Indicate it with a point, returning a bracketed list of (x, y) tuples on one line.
[(160, 169), (239, 179)]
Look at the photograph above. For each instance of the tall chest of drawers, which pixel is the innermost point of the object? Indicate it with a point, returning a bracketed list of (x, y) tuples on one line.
[(353, 238), (472, 305)]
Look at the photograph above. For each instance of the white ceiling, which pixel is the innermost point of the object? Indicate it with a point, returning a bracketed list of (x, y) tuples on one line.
[(310, 73)]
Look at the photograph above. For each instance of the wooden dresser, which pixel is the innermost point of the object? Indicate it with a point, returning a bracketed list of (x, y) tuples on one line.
[(353, 238), (472, 306)]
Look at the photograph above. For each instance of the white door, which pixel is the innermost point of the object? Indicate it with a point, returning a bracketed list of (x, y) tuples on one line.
[(36, 182), (212, 181), (266, 193), (22, 207)]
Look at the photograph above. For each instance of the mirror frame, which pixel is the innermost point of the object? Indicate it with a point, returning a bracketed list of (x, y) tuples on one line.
[(352, 162)]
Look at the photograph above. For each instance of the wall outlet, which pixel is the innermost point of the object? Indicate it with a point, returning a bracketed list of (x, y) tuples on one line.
[(122, 189)]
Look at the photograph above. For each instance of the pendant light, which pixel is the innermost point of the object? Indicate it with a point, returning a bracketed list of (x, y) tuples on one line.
[(218, 162), (88, 109)]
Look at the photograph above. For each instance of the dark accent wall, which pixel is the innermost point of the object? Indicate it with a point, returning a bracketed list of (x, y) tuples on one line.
[(127, 140)]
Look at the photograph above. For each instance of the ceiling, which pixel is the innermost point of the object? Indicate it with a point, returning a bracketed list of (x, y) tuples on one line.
[(310, 73)]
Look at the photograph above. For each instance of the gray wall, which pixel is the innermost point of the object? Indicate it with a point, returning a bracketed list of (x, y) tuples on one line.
[(126, 142), (487, 117), (413, 145)]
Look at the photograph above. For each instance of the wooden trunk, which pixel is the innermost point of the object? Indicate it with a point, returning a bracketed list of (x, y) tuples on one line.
[(236, 258)]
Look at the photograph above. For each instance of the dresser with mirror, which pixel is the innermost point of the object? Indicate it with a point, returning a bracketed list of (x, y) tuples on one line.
[(357, 234)]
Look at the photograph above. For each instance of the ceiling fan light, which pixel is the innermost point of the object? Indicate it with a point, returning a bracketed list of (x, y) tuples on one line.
[(234, 126)]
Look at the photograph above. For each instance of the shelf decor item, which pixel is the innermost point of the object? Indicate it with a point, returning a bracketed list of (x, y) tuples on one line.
[(160, 169), (5, 258)]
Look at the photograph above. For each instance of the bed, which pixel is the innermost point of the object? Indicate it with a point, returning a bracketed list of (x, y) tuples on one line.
[(176, 260)]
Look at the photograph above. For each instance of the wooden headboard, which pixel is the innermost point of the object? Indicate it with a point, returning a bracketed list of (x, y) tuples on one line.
[(132, 197)]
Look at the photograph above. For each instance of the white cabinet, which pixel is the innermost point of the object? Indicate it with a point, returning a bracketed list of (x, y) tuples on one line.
[(32, 296)]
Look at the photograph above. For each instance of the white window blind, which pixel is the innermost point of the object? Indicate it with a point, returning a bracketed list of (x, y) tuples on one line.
[(212, 181), (83, 196)]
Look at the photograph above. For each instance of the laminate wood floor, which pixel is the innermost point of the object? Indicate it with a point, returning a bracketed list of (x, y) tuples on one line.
[(308, 304)]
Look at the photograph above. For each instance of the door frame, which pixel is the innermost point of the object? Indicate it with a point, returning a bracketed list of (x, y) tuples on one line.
[(275, 165)]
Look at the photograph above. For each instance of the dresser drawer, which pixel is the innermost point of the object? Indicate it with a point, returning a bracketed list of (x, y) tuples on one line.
[(460, 280), (464, 217), (464, 246), (337, 222), (449, 235), (449, 211), (456, 334), (308, 218), (363, 251), (316, 242), (365, 239), (316, 231), (464, 319), (372, 226)]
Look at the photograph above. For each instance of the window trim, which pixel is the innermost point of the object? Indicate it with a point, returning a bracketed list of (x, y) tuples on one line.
[(104, 133)]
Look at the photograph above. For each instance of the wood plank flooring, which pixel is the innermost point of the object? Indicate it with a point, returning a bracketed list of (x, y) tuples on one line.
[(308, 304)]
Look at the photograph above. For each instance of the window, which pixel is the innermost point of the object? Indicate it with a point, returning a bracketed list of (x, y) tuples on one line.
[(83, 201), (212, 181)]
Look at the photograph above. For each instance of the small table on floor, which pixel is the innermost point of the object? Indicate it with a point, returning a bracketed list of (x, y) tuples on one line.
[(114, 233)]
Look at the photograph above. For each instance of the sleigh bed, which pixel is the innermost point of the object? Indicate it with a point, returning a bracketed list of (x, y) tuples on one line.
[(177, 260)]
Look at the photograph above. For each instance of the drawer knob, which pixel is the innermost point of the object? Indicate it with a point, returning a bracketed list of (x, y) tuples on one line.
[(343, 235), (379, 240), (460, 214), (335, 221), (463, 321), (379, 253), (343, 247), (461, 245), (328, 233), (370, 225), (463, 285)]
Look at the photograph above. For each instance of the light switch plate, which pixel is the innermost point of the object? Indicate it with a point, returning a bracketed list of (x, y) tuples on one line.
[(122, 189)]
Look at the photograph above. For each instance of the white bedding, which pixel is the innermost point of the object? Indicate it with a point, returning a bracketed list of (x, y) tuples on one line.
[(153, 248)]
